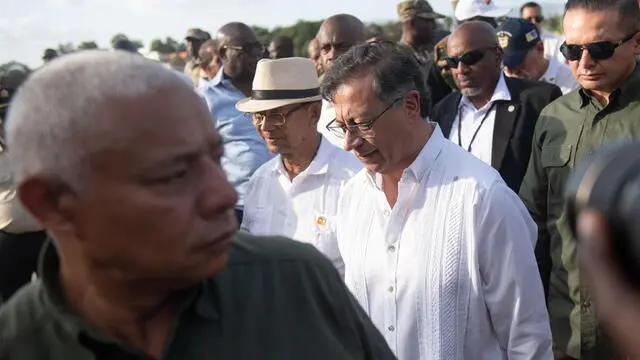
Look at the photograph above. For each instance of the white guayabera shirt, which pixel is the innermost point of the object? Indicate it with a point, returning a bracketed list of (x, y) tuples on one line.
[(303, 209), (449, 272)]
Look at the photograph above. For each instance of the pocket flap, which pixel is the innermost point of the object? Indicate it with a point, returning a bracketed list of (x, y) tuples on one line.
[(556, 156)]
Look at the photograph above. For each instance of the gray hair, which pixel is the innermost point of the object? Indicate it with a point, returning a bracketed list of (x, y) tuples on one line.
[(395, 72), (59, 117)]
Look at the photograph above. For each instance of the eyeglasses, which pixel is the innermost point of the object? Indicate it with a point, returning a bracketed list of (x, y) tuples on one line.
[(601, 50), (535, 19), (276, 119), (340, 129), (247, 48), (469, 58)]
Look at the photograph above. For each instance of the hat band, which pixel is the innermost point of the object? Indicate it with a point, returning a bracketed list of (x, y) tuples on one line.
[(284, 94)]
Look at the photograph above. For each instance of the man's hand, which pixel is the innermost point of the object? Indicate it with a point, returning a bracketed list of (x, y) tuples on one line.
[(617, 303)]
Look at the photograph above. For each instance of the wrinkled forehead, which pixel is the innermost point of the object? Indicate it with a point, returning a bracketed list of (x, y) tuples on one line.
[(155, 123)]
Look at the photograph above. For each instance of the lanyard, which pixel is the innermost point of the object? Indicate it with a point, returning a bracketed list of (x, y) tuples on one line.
[(484, 118)]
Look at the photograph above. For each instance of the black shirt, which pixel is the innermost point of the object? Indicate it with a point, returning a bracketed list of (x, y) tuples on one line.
[(276, 299)]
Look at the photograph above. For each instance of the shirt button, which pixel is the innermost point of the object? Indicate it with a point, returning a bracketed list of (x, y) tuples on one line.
[(391, 328), (386, 213), (391, 248), (390, 289)]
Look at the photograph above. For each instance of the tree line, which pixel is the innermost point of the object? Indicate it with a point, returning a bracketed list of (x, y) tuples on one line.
[(301, 32)]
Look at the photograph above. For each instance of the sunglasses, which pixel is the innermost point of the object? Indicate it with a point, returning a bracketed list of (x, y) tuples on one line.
[(469, 58), (247, 48), (601, 50), (535, 19)]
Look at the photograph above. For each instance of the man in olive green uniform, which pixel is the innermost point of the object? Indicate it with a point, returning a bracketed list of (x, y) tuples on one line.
[(195, 38), (602, 43), (418, 28), (145, 260)]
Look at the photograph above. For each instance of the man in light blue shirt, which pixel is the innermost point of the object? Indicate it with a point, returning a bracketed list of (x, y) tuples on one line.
[(245, 150)]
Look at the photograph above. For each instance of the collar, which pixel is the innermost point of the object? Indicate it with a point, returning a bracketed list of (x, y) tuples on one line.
[(552, 71), (319, 165), (218, 78), (627, 87), (202, 298), (500, 93), (424, 162)]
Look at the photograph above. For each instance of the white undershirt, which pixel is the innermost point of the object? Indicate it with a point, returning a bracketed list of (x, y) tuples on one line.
[(472, 121)]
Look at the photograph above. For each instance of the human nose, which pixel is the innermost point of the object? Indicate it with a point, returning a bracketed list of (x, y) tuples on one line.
[(351, 140), (217, 195), (586, 61)]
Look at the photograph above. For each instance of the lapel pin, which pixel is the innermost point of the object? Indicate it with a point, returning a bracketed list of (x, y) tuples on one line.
[(511, 108)]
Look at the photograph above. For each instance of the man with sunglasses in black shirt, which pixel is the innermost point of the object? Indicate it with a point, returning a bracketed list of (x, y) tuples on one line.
[(493, 116), (601, 45)]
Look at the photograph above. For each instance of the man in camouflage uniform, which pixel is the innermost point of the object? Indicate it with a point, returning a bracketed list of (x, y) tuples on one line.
[(418, 27), (419, 34), (195, 38)]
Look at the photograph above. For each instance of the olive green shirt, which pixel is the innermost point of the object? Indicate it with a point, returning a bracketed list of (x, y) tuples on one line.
[(276, 299), (192, 69), (567, 133)]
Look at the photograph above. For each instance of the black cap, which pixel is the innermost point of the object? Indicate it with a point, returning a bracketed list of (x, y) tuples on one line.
[(516, 37)]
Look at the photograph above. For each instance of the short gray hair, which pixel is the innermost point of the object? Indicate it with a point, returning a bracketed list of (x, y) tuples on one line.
[(58, 118)]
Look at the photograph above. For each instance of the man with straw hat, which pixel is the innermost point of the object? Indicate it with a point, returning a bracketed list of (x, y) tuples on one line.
[(295, 194)]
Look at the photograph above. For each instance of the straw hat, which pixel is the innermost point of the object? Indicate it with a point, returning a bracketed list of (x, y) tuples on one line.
[(282, 82)]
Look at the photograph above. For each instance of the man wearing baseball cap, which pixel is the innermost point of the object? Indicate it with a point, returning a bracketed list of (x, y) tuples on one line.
[(524, 58), (195, 38)]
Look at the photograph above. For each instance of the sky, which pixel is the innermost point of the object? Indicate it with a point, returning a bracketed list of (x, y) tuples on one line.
[(27, 27)]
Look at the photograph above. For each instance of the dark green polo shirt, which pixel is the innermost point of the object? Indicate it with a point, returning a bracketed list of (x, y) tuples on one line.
[(277, 299), (569, 130)]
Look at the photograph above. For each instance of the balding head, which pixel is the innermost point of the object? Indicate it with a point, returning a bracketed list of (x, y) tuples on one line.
[(281, 47), (117, 147), (77, 119), (476, 32), (475, 48), (239, 51), (338, 34)]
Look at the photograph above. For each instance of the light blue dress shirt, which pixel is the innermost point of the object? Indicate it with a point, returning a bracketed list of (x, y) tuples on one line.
[(244, 149)]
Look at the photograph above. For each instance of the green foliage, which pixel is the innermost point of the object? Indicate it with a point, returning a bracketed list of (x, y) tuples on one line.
[(554, 24), (87, 45), (65, 48), (168, 46)]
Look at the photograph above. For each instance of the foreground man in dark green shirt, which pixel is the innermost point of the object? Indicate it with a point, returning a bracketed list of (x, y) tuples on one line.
[(602, 43), (124, 173)]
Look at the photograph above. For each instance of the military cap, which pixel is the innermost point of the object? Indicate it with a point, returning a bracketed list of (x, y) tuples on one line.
[(417, 8), (197, 34)]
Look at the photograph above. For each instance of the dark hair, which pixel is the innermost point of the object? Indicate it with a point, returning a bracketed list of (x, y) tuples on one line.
[(628, 10), (530, 4), (208, 51), (395, 71)]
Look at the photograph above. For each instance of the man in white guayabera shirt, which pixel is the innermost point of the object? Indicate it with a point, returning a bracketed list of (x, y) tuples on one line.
[(296, 193), (437, 249)]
